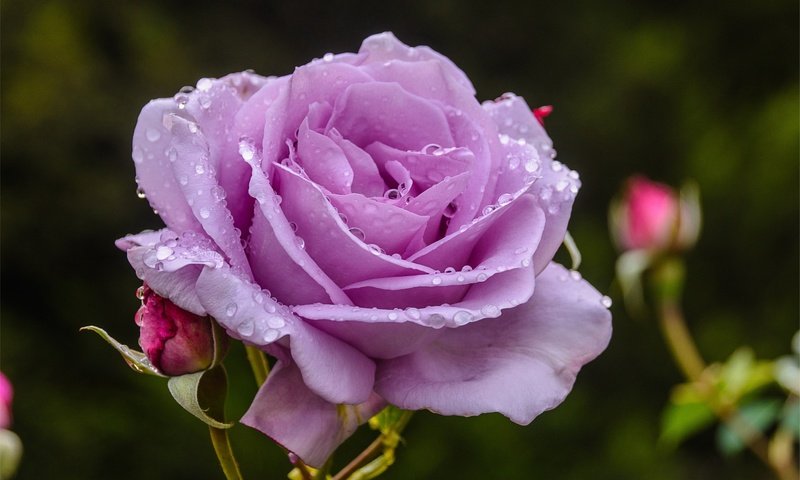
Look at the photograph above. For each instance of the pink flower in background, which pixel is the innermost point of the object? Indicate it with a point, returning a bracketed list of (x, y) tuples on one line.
[(175, 341), (6, 396), (376, 229), (653, 216)]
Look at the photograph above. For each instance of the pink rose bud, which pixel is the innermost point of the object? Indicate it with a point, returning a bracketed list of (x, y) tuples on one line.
[(6, 394), (177, 342), (653, 216)]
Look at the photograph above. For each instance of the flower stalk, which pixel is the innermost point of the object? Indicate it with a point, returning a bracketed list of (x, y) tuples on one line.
[(222, 447)]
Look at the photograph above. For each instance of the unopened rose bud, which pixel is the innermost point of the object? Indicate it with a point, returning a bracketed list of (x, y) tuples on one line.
[(653, 216), (6, 395), (175, 341)]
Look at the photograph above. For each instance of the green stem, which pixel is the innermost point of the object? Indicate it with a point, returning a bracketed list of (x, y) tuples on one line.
[(668, 279), (387, 441), (222, 447), (258, 363)]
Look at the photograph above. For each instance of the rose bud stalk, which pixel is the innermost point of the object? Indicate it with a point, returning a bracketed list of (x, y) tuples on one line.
[(175, 341)]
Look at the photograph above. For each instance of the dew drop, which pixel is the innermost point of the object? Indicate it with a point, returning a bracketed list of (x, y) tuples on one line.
[(259, 297), (138, 155), (392, 316), (301, 244), (466, 268), (462, 317), (575, 275), (275, 321), (358, 233), (413, 313), (270, 336), (436, 281), (490, 310), (245, 329), (505, 199), (482, 277), (204, 84), (205, 102), (449, 270), (556, 166), (606, 301), (375, 250), (163, 252), (204, 213), (184, 180), (140, 293), (140, 192), (392, 194), (460, 278), (230, 310), (293, 226), (152, 134)]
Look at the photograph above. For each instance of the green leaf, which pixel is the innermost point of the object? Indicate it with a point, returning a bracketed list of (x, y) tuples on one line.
[(138, 361), (680, 420), (755, 416), (203, 395), (790, 418)]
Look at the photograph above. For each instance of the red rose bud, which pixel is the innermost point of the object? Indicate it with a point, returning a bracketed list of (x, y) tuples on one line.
[(653, 216), (175, 341), (542, 112)]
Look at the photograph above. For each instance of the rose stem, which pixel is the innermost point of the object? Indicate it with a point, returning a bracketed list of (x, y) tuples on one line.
[(222, 447), (668, 279), (258, 363), (373, 448)]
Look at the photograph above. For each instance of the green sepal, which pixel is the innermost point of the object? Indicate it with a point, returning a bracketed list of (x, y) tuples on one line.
[(135, 359), (203, 395), (220, 339)]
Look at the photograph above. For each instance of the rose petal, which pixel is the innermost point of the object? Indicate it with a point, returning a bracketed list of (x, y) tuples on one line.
[(384, 47), (520, 364), (307, 425), (366, 178), (197, 179), (214, 107), (384, 112), (326, 238), (323, 160), (290, 251), (485, 299), (330, 367), (170, 264), (151, 157), (427, 166), (433, 204), (390, 227)]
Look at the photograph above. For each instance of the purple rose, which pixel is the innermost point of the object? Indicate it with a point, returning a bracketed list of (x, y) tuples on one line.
[(175, 341), (382, 234)]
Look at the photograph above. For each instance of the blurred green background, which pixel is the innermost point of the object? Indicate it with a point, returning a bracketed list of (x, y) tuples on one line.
[(672, 89)]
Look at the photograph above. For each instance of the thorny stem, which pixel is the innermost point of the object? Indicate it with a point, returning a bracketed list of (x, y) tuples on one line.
[(668, 279), (222, 447)]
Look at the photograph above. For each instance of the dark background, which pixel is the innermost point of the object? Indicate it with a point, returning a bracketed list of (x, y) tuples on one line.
[(682, 89)]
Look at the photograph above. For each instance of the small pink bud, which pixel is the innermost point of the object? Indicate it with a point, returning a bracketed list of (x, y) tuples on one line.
[(6, 395), (175, 341), (542, 112), (653, 216)]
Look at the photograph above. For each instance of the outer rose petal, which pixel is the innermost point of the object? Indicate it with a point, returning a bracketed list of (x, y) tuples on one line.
[(330, 367), (520, 364), (307, 425)]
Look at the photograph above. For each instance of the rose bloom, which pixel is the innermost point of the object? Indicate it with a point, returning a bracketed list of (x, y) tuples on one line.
[(377, 230)]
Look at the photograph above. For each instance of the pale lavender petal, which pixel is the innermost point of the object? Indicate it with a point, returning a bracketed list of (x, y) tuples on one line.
[(427, 166), (269, 207), (434, 202), (197, 179), (384, 112), (151, 157), (385, 225), (520, 364), (377, 339), (330, 367), (326, 238), (323, 160), (486, 299), (385, 47), (170, 264), (305, 424), (366, 177), (261, 118), (213, 105)]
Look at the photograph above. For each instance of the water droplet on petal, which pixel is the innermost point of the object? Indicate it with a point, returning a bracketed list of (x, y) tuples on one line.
[(462, 317), (152, 134), (436, 281), (138, 155), (293, 226), (413, 313), (482, 277), (230, 310), (449, 270), (204, 84), (163, 252), (301, 244), (505, 199), (606, 301), (358, 233), (375, 249), (490, 311), (140, 192), (466, 268), (392, 316), (245, 329), (275, 321), (204, 213), (575, 275)]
